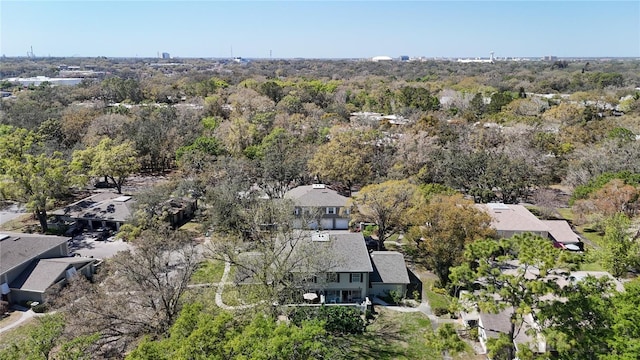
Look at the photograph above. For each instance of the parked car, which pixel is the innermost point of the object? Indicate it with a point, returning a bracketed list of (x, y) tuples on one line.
[(74, 229), (103, 234)]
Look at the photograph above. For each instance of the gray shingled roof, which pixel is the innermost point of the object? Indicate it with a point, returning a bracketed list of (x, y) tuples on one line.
[(45, 272), (344, 252), (389, 268), (19, 248), (500, 323), (308, 196), (101, 206)]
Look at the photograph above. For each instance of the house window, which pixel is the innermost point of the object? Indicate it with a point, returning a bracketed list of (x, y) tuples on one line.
[(331, 211), (347, 211), (332, 278), (355, 277)]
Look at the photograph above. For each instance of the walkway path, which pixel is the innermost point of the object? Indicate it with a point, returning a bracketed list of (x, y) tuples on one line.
[(223, 281), (25, 315), (423, 307)]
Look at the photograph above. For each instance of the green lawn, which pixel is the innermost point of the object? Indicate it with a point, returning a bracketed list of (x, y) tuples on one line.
[(589, 234), (16, 334), (435, 299), (394, 335), (241, 295), (209, 271), (192, 227), (397, 335), (566, 213)]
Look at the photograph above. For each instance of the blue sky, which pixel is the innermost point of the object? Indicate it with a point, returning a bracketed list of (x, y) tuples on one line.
[(320, 29)]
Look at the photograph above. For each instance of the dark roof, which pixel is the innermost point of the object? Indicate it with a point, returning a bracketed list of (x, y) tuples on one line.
[(45, 272), (500, 323), (19, 248), (316, 196), (389, 268), (496, 324), (101, 206)]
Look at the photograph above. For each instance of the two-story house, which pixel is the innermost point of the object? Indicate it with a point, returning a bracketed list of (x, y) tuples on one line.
[(319, 207), (338, 267)]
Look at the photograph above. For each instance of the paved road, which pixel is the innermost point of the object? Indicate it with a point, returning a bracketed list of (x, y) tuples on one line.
[(87, 245), (11, 212)]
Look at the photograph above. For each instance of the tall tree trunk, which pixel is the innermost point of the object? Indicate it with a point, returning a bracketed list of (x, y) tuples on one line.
[(42, 218), (512, 334), (118, 184)]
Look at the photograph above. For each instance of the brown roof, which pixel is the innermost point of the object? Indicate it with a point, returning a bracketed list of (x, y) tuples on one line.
[(561, 231), (513, 218)]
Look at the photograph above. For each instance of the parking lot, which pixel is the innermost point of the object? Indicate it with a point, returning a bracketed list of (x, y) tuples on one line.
[(89, 244)]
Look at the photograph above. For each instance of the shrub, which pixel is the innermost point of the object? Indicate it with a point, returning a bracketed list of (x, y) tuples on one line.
[(473, 333), (440, 311), (40, 308), (336, 319), (395, 296)]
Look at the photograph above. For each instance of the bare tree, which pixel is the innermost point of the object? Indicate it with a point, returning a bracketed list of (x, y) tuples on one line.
[(138, 293), (277, 259)]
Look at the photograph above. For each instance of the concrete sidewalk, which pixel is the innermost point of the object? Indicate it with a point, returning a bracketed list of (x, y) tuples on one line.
[(26, 314)]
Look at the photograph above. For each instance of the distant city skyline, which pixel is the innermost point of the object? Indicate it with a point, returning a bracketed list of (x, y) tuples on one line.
[(320, 29)]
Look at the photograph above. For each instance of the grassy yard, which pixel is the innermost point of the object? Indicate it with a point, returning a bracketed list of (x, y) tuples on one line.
[(436, 300), (16, 334), (241, 295), (397, 335), (194, 228), (21, 224), (394, 335), (209, 271), (566, 213)]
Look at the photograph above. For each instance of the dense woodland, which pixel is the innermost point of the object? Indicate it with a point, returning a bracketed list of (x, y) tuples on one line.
[(562, 134)]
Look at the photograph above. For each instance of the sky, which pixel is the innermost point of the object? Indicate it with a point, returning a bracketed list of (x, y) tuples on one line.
[(320, 29)]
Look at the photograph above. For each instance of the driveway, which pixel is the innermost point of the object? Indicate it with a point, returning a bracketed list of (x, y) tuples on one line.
[(87, 244), (11, 212)]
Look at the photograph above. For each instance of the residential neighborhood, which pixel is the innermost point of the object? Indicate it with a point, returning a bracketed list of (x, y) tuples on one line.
[(367, 207)]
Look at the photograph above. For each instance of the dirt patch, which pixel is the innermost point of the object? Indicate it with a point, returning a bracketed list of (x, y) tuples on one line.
[(8, 320)]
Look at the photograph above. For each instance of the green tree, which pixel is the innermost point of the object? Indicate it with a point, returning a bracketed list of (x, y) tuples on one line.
[(533, 264), (498, 100), (578, 322), (113, 161), (625, 340), (47, 340), (619, 251), (344, 159), (386, 205), (441, 230), (283, 161), (418, 97), (207, 335), (36, 181)]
